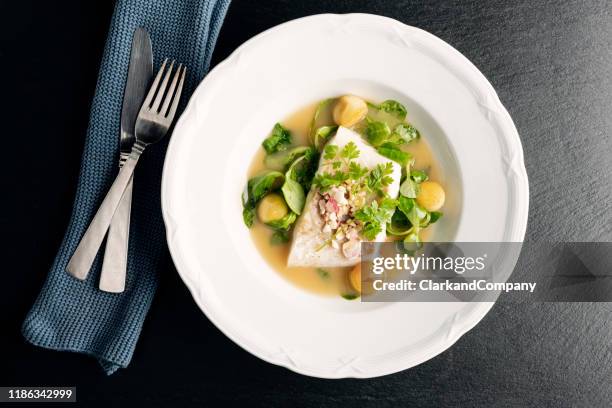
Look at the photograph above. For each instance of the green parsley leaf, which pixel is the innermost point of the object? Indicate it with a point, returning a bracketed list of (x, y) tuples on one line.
[(375, 216), (330, 152), (326, 180), (356, 171), (380, 177), (350, 296), (279, 140), (350, 151)]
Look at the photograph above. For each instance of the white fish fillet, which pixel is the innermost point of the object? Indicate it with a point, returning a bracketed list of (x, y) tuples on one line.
[(308, 236)]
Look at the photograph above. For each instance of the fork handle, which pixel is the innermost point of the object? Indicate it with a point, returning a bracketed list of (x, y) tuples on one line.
[(85, 253), (114, 266)]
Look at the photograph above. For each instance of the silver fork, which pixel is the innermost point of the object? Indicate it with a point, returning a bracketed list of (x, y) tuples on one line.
[(154, 120)]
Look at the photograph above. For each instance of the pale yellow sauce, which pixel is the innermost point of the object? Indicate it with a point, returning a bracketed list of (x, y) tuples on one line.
[(330, 281)]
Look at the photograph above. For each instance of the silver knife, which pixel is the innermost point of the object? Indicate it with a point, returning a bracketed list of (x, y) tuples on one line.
[(114, 267)]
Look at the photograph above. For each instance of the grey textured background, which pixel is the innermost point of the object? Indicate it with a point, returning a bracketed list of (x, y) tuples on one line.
[(550, 63)]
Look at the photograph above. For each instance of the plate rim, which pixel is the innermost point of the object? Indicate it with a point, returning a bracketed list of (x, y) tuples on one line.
[(474, 314)]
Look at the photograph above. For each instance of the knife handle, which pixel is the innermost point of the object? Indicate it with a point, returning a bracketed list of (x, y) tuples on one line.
[(114, 266), (85, 253)]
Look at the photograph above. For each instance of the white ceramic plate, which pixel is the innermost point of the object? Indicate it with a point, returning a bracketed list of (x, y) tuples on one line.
[(263, 81)]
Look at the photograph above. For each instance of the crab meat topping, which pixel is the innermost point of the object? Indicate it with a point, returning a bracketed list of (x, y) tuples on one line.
[(337, 207)]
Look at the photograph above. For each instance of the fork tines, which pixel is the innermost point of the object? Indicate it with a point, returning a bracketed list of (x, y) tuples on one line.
[(163, 95)]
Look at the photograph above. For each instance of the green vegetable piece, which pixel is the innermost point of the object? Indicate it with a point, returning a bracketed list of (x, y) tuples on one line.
[(256, 189), (322, 105), (435, 216), (282, 160), (418, 176), (399, 225), (349, 296), (413, 212), (377, 133), (406, 132), (409, 188), (305, 167), (294, 195), (262, 184), (284, 223), (279, 139), (323, 274), (322, 135), (293, 190), (248, 216), (392, 152), (412, 242), (393, 107), (279, 237)]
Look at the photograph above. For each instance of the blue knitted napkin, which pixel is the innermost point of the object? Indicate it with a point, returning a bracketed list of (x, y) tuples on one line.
[(75, 316)]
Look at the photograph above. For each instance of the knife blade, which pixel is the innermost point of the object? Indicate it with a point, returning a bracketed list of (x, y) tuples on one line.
[(138, 79), (140, 72)]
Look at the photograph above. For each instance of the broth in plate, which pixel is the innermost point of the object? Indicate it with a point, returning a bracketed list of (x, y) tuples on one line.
[(315, 127)]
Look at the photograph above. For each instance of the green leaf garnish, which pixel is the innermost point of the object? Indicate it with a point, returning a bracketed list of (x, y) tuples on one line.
[(435, 216), (282, 160), (330, 152), (322, 105), (412, 242), (392, 152), (284, 223), (418, 176), (406, 132), (248, 216), (393, 107), (356, 171), (350, 151), (350, 296), (377, 132), (409, 188), (322, 135), (380, 177), (292, 190), (399, 225), (279, 139), (279, 237), (256, 189), (326, 180), (375, 216)]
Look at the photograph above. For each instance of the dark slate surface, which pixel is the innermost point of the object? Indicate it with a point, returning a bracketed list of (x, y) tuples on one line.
[(551, 64)]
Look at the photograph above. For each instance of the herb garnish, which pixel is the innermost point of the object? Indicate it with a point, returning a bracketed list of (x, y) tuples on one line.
[(376, 216), (279, 140)]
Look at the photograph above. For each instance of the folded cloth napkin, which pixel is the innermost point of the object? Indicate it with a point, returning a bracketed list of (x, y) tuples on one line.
[(75, 316)]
